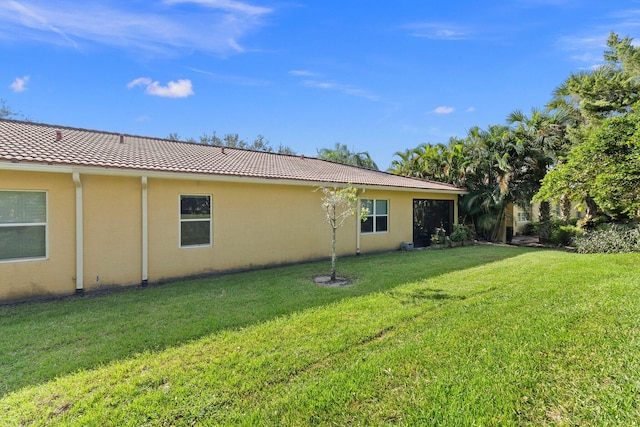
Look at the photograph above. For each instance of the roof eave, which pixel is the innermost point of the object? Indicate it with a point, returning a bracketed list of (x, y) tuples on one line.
[(29, 166)]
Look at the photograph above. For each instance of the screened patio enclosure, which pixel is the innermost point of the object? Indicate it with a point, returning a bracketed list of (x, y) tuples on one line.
[(429, 215)]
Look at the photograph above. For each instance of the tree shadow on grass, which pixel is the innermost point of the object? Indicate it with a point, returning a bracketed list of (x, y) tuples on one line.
[(44, 340), (416, 295)]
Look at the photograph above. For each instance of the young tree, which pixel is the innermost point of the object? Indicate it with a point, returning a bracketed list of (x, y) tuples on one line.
[(339, 203)]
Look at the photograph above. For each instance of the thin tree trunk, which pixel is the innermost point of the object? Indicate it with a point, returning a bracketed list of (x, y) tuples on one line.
[(333, 256), (591, 211), (592, 208), (496, 232), (565, 209), (544, 229)]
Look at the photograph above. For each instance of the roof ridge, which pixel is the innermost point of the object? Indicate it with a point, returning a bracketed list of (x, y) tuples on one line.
[(63, 127), (154, 138)]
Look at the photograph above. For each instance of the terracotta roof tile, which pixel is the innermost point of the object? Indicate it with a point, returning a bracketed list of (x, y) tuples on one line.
[(36, 143)]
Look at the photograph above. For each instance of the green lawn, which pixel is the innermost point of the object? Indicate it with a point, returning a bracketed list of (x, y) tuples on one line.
[(468, 336)]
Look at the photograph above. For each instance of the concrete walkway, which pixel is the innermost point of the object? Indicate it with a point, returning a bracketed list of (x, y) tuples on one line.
[(529, 241)]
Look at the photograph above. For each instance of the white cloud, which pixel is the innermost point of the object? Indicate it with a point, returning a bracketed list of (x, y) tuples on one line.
[(587, 48), (31, 17), (313, 80), (140, 81), (544, 2), (237, 80), (437, 31), (444, 110), (470, 109), (229, 5), (302, 73), (179, 89), (207, 25), (19, 84), (339, 87)]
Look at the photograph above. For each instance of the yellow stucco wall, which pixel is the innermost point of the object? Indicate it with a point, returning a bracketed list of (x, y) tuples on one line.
[(253, 225), (577, 211), (400, 218), (56, 274), (257, 224), (112, 220)]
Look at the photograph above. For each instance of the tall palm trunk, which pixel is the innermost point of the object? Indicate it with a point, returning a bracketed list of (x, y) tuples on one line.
[(496, 233)]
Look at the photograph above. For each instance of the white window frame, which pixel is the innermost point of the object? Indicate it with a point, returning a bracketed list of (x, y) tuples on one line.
[(31, 224), (373, 215), (181, 220)]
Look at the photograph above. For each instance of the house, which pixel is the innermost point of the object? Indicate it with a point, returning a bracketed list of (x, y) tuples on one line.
[(525, 215), (82, 210)]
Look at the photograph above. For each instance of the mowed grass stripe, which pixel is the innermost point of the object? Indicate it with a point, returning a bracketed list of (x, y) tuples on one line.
[(542, 338), (45, 340), (520, 355)]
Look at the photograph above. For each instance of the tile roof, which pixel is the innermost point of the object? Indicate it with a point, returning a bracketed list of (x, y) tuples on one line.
[(36, 143)]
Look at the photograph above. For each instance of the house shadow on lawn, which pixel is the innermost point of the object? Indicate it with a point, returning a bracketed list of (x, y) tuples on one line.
[(118, 326)]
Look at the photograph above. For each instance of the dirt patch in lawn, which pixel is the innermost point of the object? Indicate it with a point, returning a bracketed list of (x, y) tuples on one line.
[(328, 283)]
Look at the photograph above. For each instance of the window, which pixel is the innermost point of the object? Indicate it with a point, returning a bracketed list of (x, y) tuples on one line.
[(23, 225), (195, 220), (523, 214), (377, 220)]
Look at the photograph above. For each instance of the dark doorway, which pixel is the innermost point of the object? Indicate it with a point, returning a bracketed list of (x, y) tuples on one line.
[(429, 215)]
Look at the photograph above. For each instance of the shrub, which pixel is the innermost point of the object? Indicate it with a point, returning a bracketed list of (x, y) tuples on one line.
[(439, 237), (530, 229), (563, 235), (461, 233), (612, 239), (592, 223)]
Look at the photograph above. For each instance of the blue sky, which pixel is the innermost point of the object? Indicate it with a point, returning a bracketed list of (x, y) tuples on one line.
[(378, 76)]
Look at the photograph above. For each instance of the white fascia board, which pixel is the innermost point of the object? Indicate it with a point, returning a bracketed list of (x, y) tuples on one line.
[(94, 170)]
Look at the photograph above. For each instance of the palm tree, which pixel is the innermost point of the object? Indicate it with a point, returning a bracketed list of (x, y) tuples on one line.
[(457, 162), (405, 165), (341, 154), (488, 178), (543, 138)]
